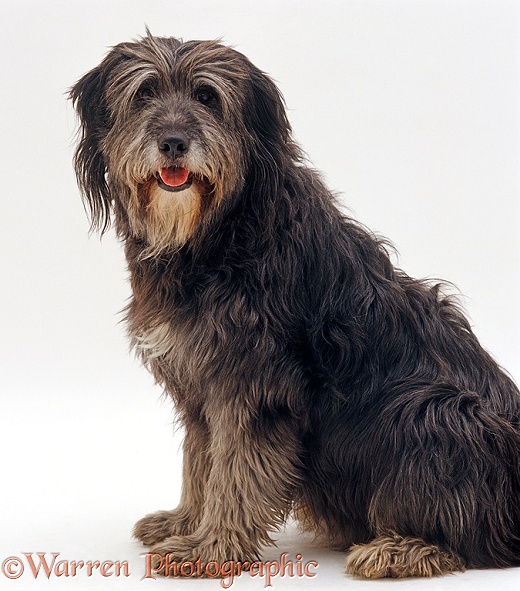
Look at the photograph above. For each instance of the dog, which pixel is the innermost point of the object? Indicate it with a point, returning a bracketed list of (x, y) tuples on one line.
[(312, 377)]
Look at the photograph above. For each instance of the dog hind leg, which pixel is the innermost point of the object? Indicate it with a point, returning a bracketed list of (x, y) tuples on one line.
[(446, 482)]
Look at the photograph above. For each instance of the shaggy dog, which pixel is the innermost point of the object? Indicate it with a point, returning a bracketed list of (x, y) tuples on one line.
[(311, 376)]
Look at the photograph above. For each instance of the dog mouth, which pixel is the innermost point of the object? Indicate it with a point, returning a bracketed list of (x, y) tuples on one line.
[(174, 178)]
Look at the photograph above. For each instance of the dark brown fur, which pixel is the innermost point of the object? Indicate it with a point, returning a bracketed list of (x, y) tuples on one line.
[(310, 374)]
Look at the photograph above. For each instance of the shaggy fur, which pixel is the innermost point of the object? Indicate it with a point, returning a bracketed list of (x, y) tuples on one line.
[(309, 373)]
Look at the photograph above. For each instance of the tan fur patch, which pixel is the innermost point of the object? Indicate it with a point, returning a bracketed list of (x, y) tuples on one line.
[(399, 557), (172, 217)]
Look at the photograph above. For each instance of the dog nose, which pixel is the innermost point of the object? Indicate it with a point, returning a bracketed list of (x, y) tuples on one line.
[(174, 146)]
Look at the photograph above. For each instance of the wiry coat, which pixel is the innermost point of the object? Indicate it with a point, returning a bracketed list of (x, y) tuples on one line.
[(310, 374)]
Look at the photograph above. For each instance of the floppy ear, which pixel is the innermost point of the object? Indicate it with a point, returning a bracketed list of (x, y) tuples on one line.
[(89, 164), (267, 115), (270, 129)]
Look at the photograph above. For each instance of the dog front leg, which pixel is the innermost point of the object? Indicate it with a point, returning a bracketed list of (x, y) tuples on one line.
[(253, 475), (185, 519)]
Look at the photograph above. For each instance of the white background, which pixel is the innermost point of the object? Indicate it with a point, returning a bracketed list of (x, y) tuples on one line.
[(411, 110)]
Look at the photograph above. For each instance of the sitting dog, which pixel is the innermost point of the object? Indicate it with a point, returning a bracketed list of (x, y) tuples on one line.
[(312, 377)]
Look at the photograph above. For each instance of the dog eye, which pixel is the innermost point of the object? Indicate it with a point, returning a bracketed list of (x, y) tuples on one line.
[(206, 96), (146, 92)]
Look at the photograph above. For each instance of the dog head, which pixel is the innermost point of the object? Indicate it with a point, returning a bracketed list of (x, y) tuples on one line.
[(171, 134)]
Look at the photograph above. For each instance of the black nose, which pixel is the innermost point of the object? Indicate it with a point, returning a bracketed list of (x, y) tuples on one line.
[(174, 146)]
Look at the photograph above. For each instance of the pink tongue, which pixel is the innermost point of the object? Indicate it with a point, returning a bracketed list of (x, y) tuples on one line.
[(174, 177)]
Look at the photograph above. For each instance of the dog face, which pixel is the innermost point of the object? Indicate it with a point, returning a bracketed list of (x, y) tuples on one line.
[(168, 130)]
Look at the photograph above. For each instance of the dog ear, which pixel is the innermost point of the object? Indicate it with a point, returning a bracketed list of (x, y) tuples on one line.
[(89, 163), (270, 129), (268, 117)]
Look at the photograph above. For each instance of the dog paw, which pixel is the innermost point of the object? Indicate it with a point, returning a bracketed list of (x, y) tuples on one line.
[(156, 527), (399, 557)]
